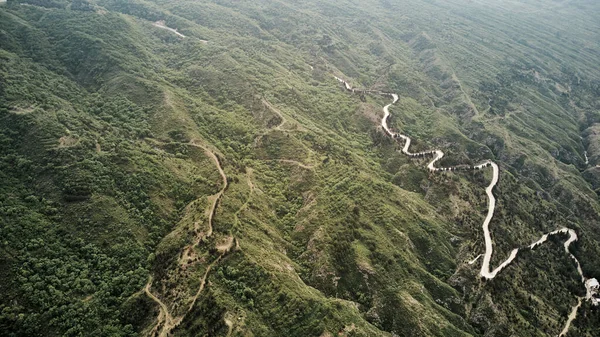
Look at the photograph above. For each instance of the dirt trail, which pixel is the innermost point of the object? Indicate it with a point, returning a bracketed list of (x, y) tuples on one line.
[(571, 318), (165, 318), (217, 196), (188, 253), (278, 127), (252, 187), (200, 289), (466, 96), (211, 213), (225, 246), (161, 24), (278, 112), (489, 249), (289, 161), (168, 322), (229, 324)]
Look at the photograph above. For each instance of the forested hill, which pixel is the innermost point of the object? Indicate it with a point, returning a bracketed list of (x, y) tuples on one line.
[(194, 168)]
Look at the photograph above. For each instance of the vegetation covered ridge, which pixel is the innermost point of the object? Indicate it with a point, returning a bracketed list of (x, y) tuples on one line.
[(166, 322), (489, 249), (327, 229)]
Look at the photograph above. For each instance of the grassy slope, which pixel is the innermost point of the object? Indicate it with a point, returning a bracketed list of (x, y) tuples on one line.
[(350, 242)]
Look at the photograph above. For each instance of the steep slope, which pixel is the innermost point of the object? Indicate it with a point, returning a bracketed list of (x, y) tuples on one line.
[(213, 179)]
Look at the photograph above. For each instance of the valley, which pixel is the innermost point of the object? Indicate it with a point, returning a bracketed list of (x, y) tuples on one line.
[(299, 168), (485, 268)]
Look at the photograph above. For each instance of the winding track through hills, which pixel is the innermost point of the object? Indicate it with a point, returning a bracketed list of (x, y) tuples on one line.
[(165, 319), (161, 24), (489, 249), (217, 196)]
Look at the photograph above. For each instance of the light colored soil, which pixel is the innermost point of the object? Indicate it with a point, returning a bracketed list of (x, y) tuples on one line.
[(67, 141), (225, 245), (229, 324), (22, 110), (165, 322), (289, 161), (489, 249), (164, 319), (161, 24)]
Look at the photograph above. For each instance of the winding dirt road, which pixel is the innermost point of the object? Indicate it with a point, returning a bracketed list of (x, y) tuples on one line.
[(295, 162), (489, 249), (217, 196), (571, 318), (165, 319), (161, 24), (278, 127)]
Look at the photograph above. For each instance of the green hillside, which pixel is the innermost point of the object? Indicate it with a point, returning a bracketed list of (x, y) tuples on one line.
[(218, 180)]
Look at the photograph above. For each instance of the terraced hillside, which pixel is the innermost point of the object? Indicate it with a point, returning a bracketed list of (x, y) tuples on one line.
[(183, 168)]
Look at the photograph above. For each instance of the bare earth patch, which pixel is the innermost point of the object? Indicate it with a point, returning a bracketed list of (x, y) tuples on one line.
[(67, 141), (17, 110), (225, 245)]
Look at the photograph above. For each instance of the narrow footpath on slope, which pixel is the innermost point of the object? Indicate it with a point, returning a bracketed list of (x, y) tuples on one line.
[(162, 25), (165, 319)]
